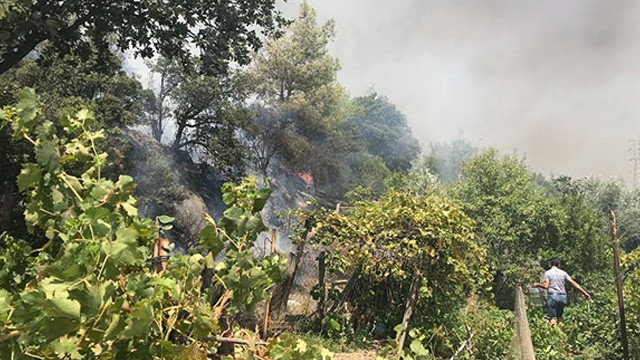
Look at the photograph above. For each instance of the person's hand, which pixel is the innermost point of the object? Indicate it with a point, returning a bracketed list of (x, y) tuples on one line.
[(587, 295)]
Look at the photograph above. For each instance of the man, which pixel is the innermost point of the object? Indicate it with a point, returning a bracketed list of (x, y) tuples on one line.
[(554, 280)]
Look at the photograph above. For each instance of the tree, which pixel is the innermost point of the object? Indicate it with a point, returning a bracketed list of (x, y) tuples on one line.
[(205, 113), (446, 159), (295, 79), (385, 132), (157, 108), (583, 234), (500, 195), (75, 81), (221, 31), (524, 225)]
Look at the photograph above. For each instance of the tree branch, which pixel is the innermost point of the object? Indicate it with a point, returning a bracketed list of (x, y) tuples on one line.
[(11, 58)]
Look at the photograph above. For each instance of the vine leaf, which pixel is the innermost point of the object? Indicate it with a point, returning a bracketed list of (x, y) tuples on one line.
[(211, 239), (29, 176)]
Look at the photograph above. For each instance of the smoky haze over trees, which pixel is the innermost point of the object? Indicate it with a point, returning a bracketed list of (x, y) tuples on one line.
[(430, 245), (556, 80)]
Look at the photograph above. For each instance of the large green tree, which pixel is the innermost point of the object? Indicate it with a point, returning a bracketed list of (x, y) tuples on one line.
[(385, 132), (222, 31), (523, 224), (303, 107), (98, 82), (500, 195), (206, 114)]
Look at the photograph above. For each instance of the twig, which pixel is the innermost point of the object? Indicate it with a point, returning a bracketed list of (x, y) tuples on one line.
[(231, 340), (462, 346), (10, 335)]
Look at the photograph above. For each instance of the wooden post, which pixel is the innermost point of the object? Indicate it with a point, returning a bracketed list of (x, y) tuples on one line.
[(321, 283), (408, 311), (265, 325), (616, 270), (160, 254), (521, 343)]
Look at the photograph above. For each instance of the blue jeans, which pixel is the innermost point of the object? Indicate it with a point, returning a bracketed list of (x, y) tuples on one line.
[(555, 305)]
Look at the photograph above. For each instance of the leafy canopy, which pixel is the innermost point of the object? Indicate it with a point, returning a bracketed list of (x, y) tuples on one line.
[(221, 31)]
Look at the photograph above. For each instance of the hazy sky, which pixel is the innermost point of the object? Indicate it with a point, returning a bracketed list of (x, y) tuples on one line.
[(556, 81)]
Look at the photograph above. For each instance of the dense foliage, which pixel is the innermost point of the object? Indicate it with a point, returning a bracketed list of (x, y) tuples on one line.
[(222, 31), (89, 293), (429, 250), (385, 132)]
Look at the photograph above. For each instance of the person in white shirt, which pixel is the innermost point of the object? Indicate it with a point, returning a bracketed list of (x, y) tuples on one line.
[(554, 281)]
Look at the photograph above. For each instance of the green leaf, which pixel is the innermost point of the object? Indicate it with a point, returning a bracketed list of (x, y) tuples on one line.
[(116, 325), (48, 155), (209, 261), (129, 209), (28, 109), (29, 176), (164, 219), (191, 352), (5, 305), (255, 224), (67, 346), (140, 321), (125, 182), (123, 250), (62, 307), (210, 239), (417, 348), (262, 196), (90, 300)]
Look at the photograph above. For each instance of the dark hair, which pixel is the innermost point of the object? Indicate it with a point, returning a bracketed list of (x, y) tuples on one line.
[(555, 262)]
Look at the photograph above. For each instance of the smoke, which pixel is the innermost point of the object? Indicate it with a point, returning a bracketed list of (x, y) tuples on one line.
[(557, 81)]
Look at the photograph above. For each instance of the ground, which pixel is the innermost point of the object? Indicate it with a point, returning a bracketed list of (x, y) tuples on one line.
[(356, 355)]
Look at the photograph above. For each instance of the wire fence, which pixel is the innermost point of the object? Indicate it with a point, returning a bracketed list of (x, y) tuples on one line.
[(291, 303)]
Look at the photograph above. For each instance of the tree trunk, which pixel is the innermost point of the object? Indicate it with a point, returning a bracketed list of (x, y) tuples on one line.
[(6, 205), (178, 139), (408, 311), (157, 128)]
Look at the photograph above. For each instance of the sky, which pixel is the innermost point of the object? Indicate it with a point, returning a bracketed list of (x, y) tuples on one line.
[(556, 82)]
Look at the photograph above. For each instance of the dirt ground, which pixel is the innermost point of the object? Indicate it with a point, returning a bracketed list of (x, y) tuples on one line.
[(357, 355)]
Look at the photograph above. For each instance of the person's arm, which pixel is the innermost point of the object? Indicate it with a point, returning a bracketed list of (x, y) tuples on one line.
[(544, 284), (577, 286)]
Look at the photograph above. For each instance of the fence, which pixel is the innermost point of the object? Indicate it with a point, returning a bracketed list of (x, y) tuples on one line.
[(291, 301)]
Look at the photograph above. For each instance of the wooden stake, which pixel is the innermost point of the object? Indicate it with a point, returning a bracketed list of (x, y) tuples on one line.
[(408, 311), (321, 283), (616, 270), (160, 254), (265, 325)]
